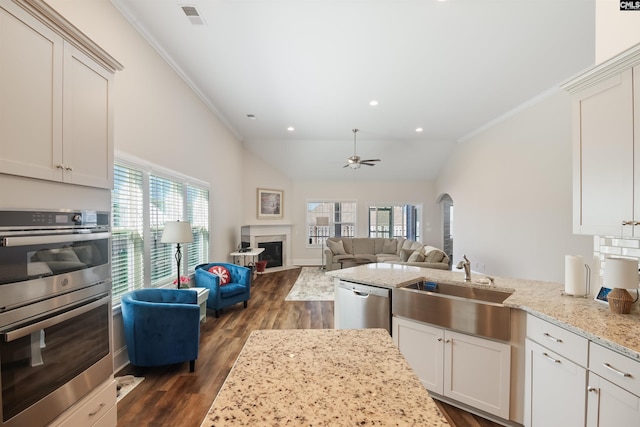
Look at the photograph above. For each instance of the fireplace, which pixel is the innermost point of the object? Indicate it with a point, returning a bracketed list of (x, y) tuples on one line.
[(275, 239), (272, 253)]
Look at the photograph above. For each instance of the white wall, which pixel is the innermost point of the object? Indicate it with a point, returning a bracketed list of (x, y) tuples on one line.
[(512, 195), (616, 30), (158, 118), (364, 193)]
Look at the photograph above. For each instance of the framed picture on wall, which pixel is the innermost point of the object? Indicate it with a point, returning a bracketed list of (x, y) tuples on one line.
[(270, 203)]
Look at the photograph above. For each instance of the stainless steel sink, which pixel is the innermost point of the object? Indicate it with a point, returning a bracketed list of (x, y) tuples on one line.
[(477, 311), (480, 294)]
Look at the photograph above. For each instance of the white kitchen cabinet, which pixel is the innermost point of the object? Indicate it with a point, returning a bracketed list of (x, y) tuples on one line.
[(554, 389), (56, 114), (468, 369), (614, 386), (609, 405), (97, 409), (606, 140), (555, 375)]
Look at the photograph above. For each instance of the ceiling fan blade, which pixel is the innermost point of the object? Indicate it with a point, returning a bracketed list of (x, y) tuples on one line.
[(370, 160), (368, 164)]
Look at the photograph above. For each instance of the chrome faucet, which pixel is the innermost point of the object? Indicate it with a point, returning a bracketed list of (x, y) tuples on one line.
[(466, 264)]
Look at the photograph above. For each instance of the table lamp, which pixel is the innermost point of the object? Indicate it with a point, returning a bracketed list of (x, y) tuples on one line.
[(177, 232), (620, 274), (321, 221)]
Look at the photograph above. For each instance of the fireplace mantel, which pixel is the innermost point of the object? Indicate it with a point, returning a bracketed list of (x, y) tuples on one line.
[(260, 233)]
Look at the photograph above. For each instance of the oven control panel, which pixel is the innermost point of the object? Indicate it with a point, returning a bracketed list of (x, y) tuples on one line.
[(16, 219)]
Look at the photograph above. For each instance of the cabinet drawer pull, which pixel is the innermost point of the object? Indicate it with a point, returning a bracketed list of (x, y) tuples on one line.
[(551, 358), (592, 390), (439, 339), (447, 341), (627, 222), (59, 166), (611, 368), (68, 168), (552, 338), (102, 405)]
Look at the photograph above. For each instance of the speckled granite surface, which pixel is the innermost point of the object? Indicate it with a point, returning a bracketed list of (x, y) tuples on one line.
[(322, 377), (584, 316)]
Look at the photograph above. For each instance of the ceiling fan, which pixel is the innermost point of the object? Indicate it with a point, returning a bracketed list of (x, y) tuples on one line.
[(354, 161)]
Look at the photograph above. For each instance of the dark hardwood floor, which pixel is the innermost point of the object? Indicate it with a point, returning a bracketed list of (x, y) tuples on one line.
[(171, 396)]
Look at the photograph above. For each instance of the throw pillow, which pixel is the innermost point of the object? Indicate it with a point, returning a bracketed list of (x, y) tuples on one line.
[(336, 246), (222, 273), (433, 254), (416, 256), (390, 247), (405, 254)]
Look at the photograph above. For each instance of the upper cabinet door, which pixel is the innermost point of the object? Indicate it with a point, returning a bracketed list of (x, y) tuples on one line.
[(88, 121), (604, 157), (31, 57)]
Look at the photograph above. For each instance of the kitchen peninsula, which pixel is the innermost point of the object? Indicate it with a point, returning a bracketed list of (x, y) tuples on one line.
[(583, 316), (322, 377)]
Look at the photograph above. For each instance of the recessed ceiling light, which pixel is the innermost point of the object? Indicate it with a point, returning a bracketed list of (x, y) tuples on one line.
[(419, 129), (251, 116), (373, 103), (291, 129)]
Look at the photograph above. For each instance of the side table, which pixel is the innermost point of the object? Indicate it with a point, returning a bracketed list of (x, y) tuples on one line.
[(203, 294), (253, 254)]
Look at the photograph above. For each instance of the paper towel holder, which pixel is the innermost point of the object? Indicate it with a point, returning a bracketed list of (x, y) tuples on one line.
[(588, 280)]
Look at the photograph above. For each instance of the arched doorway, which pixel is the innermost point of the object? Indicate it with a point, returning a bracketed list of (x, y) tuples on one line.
[(447, 225)]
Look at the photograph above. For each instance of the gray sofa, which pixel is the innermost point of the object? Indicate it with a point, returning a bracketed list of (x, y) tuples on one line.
[(343, 252)]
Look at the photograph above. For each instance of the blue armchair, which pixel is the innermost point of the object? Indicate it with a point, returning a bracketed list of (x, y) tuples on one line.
[(161, 326), (237, 290)]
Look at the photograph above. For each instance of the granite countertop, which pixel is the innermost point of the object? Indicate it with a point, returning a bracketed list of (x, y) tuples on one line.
[(322, 377), (584, 316)]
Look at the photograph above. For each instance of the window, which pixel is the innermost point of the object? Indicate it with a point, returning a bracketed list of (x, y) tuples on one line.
[(142, 201), (391, 221), (330, 219)]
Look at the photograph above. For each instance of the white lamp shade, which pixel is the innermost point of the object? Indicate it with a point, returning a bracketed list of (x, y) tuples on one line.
[(177, 232), (621, 273)]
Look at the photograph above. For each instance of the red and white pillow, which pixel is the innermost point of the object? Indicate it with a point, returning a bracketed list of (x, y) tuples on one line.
[(222, 273)]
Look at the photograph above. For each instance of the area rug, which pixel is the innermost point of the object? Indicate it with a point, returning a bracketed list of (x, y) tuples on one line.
[(312, 285), (126, 384)]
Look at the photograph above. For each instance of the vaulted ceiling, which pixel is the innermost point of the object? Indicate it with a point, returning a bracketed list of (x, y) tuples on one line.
[(447, 67)]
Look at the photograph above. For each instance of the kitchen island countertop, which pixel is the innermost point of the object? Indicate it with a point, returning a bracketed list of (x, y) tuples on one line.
[(322, 377), (583, 316)]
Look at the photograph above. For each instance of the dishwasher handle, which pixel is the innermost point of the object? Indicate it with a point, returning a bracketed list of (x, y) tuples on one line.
[(360, 294)]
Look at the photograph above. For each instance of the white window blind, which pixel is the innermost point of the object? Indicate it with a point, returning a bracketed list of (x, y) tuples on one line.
[(126, 231), (329, 219), (198, 216), (165, 204), (142, 202)]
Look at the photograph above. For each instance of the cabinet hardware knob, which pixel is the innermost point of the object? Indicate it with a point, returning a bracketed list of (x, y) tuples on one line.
[(551, 358), (552, 338), (59, 167), (68, 168), (447, 341), (439, 339), (592, 389), (611, 368), (627, 222), (636, 223)]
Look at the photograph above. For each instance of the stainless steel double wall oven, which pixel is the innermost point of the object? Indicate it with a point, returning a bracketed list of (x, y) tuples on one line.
[(55, 311)]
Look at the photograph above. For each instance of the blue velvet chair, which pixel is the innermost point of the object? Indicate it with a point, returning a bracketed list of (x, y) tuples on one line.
[(161, 326), (238, 290)]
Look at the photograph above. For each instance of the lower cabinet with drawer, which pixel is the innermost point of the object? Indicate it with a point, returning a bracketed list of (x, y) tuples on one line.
[(97, 409), (555, 377), (614, 386), (571, 381)]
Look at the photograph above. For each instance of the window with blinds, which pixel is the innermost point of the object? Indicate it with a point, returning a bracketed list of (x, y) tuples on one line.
[(142, 202), (329, 219), (126, 231)]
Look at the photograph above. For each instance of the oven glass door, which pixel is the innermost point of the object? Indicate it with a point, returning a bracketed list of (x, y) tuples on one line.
[(31, 256), (41, 356)]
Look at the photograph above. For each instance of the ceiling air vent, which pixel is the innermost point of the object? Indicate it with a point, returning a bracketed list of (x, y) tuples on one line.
[(192, 13)]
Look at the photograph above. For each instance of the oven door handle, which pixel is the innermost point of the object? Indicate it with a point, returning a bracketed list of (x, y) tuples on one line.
[(52, 321), (45, 240)]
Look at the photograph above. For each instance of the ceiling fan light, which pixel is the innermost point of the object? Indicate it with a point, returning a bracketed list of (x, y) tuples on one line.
[(354, 165)]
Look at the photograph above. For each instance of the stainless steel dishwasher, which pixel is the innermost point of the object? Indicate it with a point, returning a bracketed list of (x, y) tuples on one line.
[(360, 306)]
